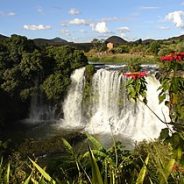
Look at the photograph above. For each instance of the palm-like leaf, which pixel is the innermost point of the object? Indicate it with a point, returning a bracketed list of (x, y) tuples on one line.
[(43, 173), (96, 175), (143, 172)]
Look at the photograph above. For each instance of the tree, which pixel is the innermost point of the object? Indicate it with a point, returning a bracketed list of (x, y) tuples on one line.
[(67, 58), (55, 86), (99, 45), (180, 47), (17, 45), (11, 80), (31, 65), (121, 49), (78, 60), (154, 47), (164, 51), (26, 70)]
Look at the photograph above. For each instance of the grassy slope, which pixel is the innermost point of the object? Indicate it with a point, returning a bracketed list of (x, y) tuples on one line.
[(121, 58)]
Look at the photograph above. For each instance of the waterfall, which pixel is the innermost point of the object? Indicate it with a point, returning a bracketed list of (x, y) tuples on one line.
[(72, 107), (39, 111), (111, 111)]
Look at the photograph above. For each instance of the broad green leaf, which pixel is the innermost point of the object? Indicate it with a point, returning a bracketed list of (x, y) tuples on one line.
[(96, 175), (167, 171), (7, 176), (96, 144), (138, 86), (106, 173), (96, 153), (28, 179), (34, 181), (150, 181), (178, 153), (143, 172), (162, 98), (42, 172), (68, 147)]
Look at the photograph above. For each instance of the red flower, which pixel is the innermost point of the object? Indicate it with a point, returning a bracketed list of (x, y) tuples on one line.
[(177, 168), (173, 57), (136, 75)]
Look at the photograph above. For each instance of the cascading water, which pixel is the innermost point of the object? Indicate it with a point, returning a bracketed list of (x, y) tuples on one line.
[(110, 110), (39, 111), (72, 107)]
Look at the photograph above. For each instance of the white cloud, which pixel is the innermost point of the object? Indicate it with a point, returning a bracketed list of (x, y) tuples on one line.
[(100, 27), (64, 24), (65, 32), (7, 13), (11, 14), (77, 21), (110, 19), (164, 27), (177, 17), (74, 11), (123, 30), (36, 27), (82, 31), (149, 7)]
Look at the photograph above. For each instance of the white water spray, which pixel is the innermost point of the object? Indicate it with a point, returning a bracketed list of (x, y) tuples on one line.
[(40, 112), (111, 111), (72, 107)]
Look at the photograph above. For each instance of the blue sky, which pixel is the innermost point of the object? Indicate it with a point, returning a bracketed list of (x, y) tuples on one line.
[(83, 20)]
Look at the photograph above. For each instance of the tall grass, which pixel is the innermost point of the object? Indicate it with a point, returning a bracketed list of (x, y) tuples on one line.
[(150, 163)]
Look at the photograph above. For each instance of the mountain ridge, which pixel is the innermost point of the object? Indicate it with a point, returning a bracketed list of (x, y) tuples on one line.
[(114, 39)]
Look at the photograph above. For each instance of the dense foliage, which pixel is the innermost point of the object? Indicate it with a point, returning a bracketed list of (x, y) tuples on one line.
[(172, 85), (27, 70), (157, 162)]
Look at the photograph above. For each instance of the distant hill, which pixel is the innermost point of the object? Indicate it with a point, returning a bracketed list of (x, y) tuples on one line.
[(87, 46), (147, 41), (116, 40), (54, 41), (181, 38), (2, 37), (58, 40)]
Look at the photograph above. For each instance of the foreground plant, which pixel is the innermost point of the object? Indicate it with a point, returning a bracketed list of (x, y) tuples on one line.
[(158, 162)]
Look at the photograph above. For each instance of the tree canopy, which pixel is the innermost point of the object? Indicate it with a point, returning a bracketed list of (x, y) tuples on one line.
[(26, 69)]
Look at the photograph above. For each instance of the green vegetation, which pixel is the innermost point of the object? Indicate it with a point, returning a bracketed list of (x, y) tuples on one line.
[(172, 83), (27, 70), (87, 90), (159, 162), (122, 58), (147, 51)]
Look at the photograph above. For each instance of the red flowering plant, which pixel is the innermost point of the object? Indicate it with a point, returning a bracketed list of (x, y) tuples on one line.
[(173, 57), (171, 77), (136, 75), (136, 85)]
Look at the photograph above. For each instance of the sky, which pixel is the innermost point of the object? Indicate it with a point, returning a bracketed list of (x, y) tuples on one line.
[(84, 20)]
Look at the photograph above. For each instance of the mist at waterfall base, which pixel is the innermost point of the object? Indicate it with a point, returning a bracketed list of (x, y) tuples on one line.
[(109, 112)]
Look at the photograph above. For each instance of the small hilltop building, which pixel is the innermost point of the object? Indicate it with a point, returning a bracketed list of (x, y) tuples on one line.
[(114, 41)]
